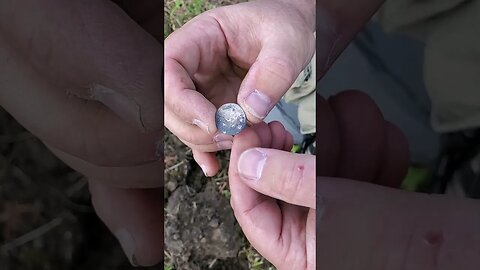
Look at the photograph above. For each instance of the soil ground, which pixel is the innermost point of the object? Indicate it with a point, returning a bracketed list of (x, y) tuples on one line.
[(46, 218)]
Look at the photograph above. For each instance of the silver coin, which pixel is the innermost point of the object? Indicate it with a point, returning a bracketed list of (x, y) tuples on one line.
[(230, 119)]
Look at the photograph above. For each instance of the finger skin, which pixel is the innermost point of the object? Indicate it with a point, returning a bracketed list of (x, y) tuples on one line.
[(147, 175), (208, 162), (355, 142), (258, 215), (280, 59), (181, 93), (135, 214), (85, 129), (279, 135), (187, 131), (285, 176), (396, 158), (276, 229), (312, 242), (328, 139), (209, 148), (396, 225), (288, 142), (362, 135), (112, 51), (201, 77)]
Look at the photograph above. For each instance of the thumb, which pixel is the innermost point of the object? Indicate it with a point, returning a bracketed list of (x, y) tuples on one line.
[(282, 175), (274, 71)]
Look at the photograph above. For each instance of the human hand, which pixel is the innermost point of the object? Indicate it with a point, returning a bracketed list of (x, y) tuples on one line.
[(248, 53), (273, 195), (85, 78), (273, 191)]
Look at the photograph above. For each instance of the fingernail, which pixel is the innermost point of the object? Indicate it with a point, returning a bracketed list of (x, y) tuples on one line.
[(258, 104), (201, 125), (224, 145), (220, 137), (204, 169), (251, 163), (128, 245), (120, 104)]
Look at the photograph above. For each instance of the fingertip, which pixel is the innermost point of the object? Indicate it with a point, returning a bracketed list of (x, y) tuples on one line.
[(268, 79), (264, 133), (288, 141), (396, 158), (361, 129), (278, 135), (208, 162), (134, 217)]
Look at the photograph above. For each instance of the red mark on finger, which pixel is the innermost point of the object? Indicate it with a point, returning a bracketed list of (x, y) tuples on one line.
[(435, 240)]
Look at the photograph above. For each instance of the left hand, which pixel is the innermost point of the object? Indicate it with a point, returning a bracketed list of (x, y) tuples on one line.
[(249, 53)]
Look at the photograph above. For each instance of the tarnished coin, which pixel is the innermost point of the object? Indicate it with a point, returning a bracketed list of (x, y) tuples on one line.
[(230, 119)]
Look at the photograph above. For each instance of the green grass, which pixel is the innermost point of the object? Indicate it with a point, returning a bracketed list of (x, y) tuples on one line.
[(255, 260), (178, 12)]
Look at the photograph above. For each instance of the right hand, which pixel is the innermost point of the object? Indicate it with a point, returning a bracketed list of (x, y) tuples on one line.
[(273, 191), (249, 53)]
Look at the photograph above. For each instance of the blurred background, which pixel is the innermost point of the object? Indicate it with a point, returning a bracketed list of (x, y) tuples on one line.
[(46, 218)]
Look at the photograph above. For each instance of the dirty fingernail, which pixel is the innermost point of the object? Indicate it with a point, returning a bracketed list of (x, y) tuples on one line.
[(120, 104), (220, 137), (128, 245), (251, 163), (258, 104), (224, 145), (201, 125), (204, 169)]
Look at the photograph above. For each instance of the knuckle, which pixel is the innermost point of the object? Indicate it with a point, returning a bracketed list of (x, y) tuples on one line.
[(280, 69), (177, 109), (294, 259), (198, 138)]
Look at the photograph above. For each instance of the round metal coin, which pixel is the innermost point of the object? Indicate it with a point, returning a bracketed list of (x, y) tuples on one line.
[(230, 119)]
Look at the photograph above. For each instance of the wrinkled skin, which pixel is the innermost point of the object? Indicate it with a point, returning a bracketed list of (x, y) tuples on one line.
[(232, 51), (278, 211), (85, 78)]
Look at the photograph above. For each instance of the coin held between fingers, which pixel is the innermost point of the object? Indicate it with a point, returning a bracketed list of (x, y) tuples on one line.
[(230, 119)]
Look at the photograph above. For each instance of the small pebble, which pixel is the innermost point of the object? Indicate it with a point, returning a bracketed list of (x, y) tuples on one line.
[(171, 185), (214, 223)]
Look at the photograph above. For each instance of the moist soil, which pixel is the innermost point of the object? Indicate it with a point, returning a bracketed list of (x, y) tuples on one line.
[(200, 229)]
